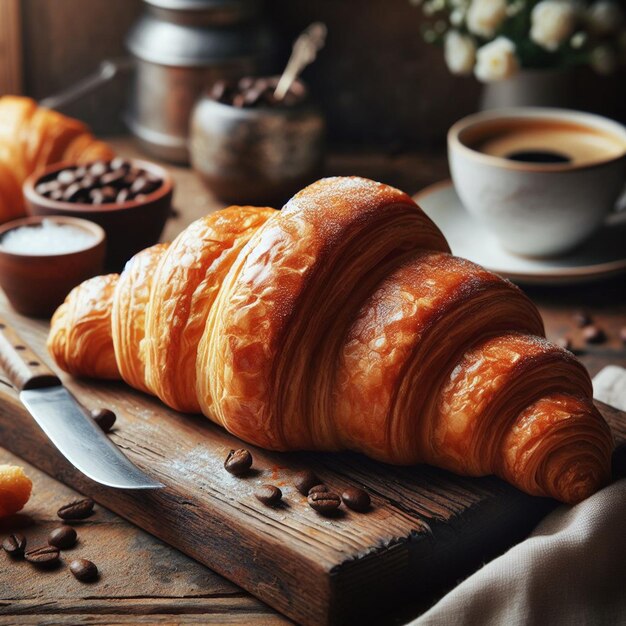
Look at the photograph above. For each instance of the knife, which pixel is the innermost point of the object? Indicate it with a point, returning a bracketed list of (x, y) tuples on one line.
[(79, 439)]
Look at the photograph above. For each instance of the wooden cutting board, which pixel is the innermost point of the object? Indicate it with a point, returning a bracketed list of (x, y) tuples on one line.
[(426, 528)]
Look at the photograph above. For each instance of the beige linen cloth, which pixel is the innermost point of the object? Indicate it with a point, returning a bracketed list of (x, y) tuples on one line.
[(570, 571)]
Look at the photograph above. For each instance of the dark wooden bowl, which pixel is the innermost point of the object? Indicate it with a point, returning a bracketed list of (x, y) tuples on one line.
[(35, 285), (130, 226)]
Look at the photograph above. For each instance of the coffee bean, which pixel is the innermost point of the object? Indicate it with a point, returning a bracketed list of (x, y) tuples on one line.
[(80, 171), (245, 83), (305, 480), (356, 499), (239, 100), (238, 462), (84, 570), (565, 343), (218, 90), (582, 319), (105, 418), (123, 196), (96, 196), (140, 185), (593, 334), (66, 177), (72, 193), (46, 188), (88, 183), (15, 545), (324, 502), (118, 163), (108, 193), (43, 556), (63, 537), (78, 509), (98, 169), (268, 494), (318, 489), (113, 178), (57, 194)]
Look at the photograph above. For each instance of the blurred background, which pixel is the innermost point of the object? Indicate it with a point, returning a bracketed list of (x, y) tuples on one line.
[(378, 81)]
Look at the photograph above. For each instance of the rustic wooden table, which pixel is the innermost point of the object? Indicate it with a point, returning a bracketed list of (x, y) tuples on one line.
[(144, 581)]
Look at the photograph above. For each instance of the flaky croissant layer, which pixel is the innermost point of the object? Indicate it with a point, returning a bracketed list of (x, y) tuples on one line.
[(342, 322)]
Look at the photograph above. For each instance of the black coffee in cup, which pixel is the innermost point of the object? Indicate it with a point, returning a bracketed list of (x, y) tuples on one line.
[(547, 142)]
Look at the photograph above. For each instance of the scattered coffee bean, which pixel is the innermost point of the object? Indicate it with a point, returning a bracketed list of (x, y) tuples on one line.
[(269, 494), (356, 499), (622, 334), (84, 570), (305, 480), (99, 183), (78, 509), (15, 545), (593, 334), (238, 462), (43, 556), (63, 537), (582, 319), (565, 343), (324, 502), (318, 489), (105, 418)]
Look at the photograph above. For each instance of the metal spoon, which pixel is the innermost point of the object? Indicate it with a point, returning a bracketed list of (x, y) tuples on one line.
[(303, 53)]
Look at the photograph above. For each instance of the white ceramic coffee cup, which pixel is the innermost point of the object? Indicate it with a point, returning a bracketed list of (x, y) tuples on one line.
[(536, 209)]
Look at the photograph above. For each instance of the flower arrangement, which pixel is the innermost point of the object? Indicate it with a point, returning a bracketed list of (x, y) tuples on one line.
[(494, 39)]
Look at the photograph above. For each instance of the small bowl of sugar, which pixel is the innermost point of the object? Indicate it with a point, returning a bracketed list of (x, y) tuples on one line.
[(43, 258)]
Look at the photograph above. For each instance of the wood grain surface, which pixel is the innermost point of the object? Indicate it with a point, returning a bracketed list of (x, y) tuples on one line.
[(426, 528), (142, 580)]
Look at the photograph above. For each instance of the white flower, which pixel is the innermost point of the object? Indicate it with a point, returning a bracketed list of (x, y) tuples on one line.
[(603, 60), (496, 60), (552, 22), (604, 17), (578, 40), (456, 17), (485, 16), (459, 52)]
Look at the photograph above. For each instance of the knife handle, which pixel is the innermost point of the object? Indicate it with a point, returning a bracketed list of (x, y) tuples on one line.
[(22, 366)]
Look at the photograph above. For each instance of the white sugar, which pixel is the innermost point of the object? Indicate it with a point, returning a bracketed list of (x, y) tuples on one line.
[(48, 238)]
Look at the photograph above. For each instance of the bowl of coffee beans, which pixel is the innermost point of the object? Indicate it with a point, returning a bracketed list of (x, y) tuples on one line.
[(252, 147), (130, 198)]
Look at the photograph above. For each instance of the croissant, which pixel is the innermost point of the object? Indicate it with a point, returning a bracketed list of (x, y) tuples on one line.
[(31, 138), (343, 322)]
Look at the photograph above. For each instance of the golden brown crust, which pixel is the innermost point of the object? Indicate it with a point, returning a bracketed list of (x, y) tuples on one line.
[(32, 138), (130, 299), (408, 336), (80, 330), (289, 298), (185, 285)]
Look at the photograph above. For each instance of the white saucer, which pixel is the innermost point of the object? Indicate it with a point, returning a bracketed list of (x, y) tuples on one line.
[(601, 256)]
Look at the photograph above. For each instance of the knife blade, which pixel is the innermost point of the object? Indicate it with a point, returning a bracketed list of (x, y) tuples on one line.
[(79, 439)]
